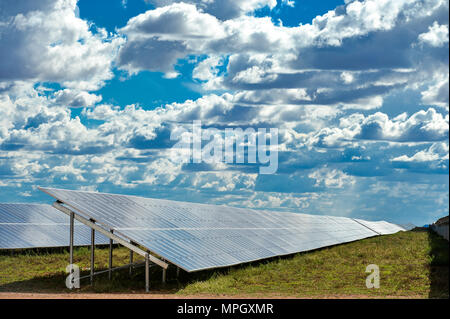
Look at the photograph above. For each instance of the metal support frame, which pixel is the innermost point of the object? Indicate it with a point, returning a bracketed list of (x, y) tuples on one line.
[(164, 276), (178, 272), (72, 217), (110, 256), (92, 255), (130, 245), (131, 261), (72, 222), (147, 273), (136, 264)]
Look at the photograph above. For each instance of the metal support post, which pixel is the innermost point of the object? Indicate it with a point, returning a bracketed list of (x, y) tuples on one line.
[(110, 257), (71, 240), (147, 274), (178, 272), (164, 276), (92, 255), (131, 261)]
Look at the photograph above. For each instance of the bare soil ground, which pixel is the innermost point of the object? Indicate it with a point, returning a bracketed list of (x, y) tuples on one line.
[(21, 295)]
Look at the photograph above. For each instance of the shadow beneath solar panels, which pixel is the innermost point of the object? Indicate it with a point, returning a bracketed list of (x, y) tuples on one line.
[(439, 266), (121, 281)]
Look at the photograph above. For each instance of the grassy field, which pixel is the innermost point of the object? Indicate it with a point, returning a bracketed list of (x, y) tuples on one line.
[(412, 264)]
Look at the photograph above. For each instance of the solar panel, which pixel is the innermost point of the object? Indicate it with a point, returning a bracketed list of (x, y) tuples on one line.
[(200, 236), (381, 227), (39, 226)]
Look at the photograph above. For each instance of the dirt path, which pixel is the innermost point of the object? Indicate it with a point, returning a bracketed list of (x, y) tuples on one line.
[(29, 295)]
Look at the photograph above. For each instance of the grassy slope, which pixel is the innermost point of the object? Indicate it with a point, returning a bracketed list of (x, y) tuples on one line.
[(404, 260), (413, 264)]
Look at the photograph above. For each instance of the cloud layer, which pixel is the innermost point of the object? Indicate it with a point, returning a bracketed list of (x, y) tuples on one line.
[(329, 86)]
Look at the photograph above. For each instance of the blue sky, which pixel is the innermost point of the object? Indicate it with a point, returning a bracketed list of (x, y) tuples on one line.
[(91, 90)]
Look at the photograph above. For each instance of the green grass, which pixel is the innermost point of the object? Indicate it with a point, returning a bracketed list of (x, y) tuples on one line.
[(412, 264)]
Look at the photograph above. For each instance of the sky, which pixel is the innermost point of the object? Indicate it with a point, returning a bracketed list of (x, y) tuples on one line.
[(91, 91)]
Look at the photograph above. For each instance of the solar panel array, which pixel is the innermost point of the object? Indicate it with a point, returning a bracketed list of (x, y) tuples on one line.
[(39, 226), (200, 236)]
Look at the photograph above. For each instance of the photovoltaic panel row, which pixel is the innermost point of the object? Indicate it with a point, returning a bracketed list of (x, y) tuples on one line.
[(39, 226), (200, 236), (30, 213)]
